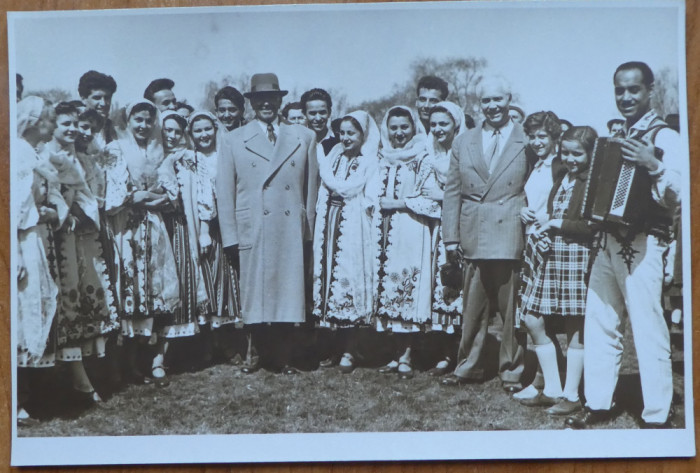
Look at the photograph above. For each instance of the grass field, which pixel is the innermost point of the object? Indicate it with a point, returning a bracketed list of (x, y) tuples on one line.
[(222, 400)]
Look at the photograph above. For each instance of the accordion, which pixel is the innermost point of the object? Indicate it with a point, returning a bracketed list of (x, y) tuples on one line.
[(618, 192)]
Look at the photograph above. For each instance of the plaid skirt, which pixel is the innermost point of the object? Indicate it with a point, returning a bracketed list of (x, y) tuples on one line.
[(554, 283)]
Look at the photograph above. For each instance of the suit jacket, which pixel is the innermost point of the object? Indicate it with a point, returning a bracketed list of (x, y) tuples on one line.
[(481, 211), (266, 197)]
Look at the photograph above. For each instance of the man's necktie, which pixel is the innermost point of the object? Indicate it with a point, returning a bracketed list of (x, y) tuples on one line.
[(493, 150), (271, 133)]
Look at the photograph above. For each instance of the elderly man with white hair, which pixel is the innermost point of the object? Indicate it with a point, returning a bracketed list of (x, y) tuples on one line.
[(483, 197)]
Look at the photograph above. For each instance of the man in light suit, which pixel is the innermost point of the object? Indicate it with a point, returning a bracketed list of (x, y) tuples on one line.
[(483, 197), (266, 189)]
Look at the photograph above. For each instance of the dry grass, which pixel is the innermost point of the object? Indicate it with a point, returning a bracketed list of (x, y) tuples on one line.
[(222, 400)]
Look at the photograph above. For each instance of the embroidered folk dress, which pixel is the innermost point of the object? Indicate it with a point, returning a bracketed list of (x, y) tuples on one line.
[(86, 310), (178, 176), (37, 291), (220, 277), (147, 286), (557, 286), (343, 291), (402, 240)]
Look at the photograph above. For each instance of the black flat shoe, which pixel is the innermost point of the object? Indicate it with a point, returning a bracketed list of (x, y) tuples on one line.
[(541, 400), (346, 364), (454, 380), (290, 371), (406, 373), (437, 372), (327, 363), (511, 388)]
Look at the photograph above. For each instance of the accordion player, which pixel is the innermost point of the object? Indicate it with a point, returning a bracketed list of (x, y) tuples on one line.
[(618, 192)]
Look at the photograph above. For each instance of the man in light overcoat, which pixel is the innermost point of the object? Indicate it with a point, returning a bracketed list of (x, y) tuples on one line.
[(483, 197), (266, 187)]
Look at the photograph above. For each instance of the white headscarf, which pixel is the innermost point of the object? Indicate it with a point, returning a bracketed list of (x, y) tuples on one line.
[(367, 163), (28, 113), (184, 142), (218, 126), (143, 162), (457, 114), (415, 147)]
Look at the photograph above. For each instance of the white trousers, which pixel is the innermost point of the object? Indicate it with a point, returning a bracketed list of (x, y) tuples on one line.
[(613, 291)]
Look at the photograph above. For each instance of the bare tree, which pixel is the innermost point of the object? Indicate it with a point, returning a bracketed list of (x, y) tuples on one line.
[(664, 100), (54, 95)]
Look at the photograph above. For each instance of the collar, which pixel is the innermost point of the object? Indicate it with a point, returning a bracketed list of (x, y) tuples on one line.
[(329, 134), (546, 162), (643, 123), (275, 126), (504, 130)]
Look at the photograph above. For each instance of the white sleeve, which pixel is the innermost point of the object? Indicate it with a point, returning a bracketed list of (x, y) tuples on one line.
[(666, 187)]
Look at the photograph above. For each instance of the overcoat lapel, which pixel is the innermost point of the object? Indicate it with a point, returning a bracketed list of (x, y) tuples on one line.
[(287, 144), (477, 156), (256, 142), (514, 147)]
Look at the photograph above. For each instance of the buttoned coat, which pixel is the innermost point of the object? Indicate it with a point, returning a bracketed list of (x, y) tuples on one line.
[(266, 197), (481, 211)]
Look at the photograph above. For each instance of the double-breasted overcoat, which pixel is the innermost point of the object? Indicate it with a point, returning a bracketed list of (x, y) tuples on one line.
[(266, 202)]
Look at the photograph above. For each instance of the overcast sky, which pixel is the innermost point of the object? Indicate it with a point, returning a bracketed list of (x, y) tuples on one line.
[(558, 57)]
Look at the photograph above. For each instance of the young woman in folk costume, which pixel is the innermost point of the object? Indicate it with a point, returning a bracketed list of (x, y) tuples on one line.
[(220, 275), (86, 312), (39, 212), (343, 292), (178, 176), (557, 286), (402, 239), (446, 123), (147, 285)]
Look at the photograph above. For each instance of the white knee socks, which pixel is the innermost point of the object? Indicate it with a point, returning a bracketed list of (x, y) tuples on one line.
[(547, 356), (574, 370)]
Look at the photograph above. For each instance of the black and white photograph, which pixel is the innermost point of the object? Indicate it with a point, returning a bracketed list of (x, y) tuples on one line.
[(350, 232)]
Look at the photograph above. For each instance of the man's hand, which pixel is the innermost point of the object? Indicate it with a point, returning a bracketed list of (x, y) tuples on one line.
[(452, 253), (527, 215), (640, 153), (433, 193), (48, 215)]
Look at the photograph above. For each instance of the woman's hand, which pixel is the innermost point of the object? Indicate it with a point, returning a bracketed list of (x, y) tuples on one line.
[(433, 193), (553, 224), (527, 215), (70, 223), (148, 198), (544, 244), (391, 204), (48, 215), (204, 242)]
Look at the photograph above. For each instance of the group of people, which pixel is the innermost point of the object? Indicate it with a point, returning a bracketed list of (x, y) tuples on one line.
[(193, 222)]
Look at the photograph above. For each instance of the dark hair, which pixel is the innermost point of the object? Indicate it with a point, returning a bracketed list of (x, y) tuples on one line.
[(20, 86), (441, 109), (65, 108), (433, 83), (335, 125), (77, 103), (517, 109), (647, 74), (156, 86), (91, 115), (316, 94), (140, 107), (232, 94), (353, 121), (401, 112), (290, 106), (93, 80), (469, 121), (566, 123), (180, 105), (196, 118), (674, 121), (182, 121), (582, 134), (614, 121), (547, 121)]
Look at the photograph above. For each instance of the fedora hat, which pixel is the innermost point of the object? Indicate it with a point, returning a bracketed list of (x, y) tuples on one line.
[(266, 82)]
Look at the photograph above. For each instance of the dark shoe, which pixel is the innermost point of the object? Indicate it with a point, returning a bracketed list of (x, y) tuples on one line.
[(159, 377), (511, 387), (541, 400), (136, 377), (407, 372), (91, 399), (437, 371), (27, 422), (347, 364), (289, 371), (327, 363), (235, 360), (587, 418), (454, 380), (564, 408), (251, 365), (389, 368)]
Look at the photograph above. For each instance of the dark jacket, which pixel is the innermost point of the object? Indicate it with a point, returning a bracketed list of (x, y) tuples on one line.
[(573, 226)]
